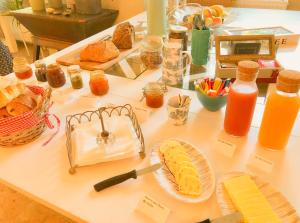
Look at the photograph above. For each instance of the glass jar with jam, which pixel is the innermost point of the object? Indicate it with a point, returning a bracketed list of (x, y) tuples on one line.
[(55, 76), (75, 76), (151, 52), (21, 68), (179, 33), (154, 94), (98, 83), (40, 71)]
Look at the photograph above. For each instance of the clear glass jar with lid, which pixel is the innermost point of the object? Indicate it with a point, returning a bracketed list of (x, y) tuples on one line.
[(40, 70), (151, 52), (242, 99), (281, 111), (179, 33), (154, 94), (21, 68), (75, 76), (55, 76), (98, 83)]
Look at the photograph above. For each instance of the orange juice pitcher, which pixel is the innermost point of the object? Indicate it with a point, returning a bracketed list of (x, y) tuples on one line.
[(242, 99), (281, 111)]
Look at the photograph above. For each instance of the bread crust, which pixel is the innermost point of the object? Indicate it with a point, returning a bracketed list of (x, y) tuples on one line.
[(101, 51)]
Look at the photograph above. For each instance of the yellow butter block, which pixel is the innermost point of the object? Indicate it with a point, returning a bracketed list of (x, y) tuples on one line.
[(248, 199)]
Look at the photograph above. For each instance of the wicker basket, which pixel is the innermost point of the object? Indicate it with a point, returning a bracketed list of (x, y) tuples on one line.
[(30, 134)]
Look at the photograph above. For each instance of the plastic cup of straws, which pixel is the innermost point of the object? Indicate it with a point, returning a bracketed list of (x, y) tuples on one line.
[(212, 93)]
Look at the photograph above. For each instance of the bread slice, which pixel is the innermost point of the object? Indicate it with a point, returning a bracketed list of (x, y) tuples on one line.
[(8, 93)]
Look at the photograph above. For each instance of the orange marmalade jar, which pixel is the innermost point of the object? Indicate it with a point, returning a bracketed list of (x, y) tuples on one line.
[(154, 94), (21, 68), (98, 83)]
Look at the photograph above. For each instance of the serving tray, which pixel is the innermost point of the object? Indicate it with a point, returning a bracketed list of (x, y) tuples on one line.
[(279, 203), (167, 181)]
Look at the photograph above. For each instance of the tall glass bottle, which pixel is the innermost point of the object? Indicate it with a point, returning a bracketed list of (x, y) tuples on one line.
[(242, 99), (281, 111), (156, 17)]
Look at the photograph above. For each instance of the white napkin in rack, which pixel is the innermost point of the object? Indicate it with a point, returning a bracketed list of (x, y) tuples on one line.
[(87, 151)]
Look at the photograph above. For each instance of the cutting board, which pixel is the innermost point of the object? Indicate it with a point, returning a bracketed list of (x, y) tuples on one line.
[(73, 58)]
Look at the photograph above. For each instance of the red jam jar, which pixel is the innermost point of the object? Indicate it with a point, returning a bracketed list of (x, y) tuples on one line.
[(154, 94), (55, 76), (98, 83), (21, 68)]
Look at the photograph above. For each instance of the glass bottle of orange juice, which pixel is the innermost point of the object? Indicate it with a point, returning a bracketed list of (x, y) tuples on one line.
[(242, 99), (281, 111)]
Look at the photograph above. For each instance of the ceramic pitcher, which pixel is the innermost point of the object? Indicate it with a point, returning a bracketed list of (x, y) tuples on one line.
[(174, 62)]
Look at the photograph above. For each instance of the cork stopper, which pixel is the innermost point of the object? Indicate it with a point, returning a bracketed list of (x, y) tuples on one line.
[(247, 70), (288, 81)]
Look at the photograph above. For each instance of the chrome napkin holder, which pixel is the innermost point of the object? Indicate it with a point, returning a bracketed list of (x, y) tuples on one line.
[(73, 120)]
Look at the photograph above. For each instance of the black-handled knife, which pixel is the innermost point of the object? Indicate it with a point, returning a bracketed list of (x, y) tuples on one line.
[(236, 217), (123, 177)]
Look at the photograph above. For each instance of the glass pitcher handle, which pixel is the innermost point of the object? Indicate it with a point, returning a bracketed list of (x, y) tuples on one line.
[(187, 54)]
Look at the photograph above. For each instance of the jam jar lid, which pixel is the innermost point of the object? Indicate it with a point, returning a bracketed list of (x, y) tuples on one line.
[(178, 29), (152, 43), (154, 88), (73, 69), (39, 63)]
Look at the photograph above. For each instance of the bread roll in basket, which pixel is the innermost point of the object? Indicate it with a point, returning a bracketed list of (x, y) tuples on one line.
[(26, 127)]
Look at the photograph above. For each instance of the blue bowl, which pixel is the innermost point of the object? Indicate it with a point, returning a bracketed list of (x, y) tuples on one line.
[(212, 103)]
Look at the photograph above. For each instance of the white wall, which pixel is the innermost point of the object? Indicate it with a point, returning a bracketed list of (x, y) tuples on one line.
[(127, 8)]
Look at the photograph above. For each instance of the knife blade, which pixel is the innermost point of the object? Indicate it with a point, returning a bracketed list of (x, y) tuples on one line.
[(123, 177), (231, 218)]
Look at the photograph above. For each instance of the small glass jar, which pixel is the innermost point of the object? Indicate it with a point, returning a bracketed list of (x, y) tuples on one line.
[(21, 68), (75, 76), (98, 83), (151, 52), (55, 76), (40, 70), (154, 94), (179, 33)]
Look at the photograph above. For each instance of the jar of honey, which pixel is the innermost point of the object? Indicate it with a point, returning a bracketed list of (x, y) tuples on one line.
[(55, 76), (154, 94), (98, 83), (75, 76), (21, 68)]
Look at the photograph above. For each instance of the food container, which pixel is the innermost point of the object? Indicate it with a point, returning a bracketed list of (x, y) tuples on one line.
[(179, 33), (212, 93), (55, 76), (98, 83), (259, 48), (151, 52), (75, 76), (56, 4), (212, 103), (88, 7), (178, 109), (21, 68), (154, 94), (40, 71), (30, 125)]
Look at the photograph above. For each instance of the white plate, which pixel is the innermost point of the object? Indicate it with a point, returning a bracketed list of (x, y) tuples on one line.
[(166, 179), (279, 203)]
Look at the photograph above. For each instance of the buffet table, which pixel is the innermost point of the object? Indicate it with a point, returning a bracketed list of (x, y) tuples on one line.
[(42, 172)]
